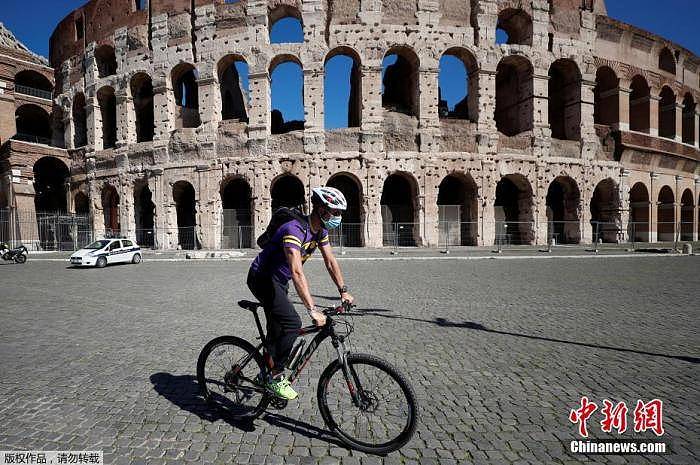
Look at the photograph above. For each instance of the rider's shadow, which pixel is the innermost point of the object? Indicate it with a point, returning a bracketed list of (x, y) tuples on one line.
[(183, 391)]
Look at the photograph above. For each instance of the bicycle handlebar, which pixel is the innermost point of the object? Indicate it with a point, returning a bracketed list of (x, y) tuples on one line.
[(344, 307)]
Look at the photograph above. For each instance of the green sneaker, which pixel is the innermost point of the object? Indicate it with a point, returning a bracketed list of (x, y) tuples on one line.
[(282, 389)]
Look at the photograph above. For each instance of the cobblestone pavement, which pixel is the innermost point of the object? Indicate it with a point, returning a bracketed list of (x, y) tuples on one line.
[(498, 351)]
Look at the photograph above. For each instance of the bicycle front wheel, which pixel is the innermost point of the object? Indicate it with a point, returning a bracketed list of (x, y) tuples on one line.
[(226, 371), (387, 414)]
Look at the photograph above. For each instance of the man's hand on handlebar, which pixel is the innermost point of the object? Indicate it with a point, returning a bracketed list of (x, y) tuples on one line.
[(346, 297), (318, 317)]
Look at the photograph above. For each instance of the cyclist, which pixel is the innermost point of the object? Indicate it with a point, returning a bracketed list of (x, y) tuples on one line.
[(281, 260)]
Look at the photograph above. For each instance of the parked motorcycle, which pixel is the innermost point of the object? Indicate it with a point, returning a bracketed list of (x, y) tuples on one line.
[(18, 254)]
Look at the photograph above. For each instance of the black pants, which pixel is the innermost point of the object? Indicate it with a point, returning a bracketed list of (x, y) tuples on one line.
[(283, 321)]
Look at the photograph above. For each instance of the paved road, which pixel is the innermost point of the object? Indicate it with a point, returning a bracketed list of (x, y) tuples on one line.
[(499, 351)]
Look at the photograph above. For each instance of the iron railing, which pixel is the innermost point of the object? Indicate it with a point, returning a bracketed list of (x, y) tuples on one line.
[(34, 92)]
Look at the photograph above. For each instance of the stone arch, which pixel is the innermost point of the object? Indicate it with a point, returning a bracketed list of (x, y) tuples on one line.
[(81, 204), (666, 215), (666, 61), (689, 106), (79, 115), (106, 61), (605, 211), (639, 213), (607, 98), (186, 210), (144, 214), (186, 90), (234, 95), (687, 210), (237, 213), (468, 107), (33, 124), (639, 104), (110, 211), (349, 59), (279, 66), (517, 26), (513, 210), (142, 95), (514, 95), (399, 210), (27, 81), (458, 204), (107, 101), (563, 211), (565, 100), (400, 91), (353, 217), (667, 113), (51, 177), (287, 190), (285, 17)]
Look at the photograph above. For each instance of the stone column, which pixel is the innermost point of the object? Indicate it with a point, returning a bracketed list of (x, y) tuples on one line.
[(314, 139), (486, 12), (126, 125), (209, 100), (679, 122), (653, 208), (540, 103), (623, 108), (697, 131), (489, 178), (370, 11), (486, 99), (677, 205), (94, 124), (654, 115), (625, 204), (589, 140), (163, 110), (259, 112), (696, 210), (69, 127), (372, 140), (429, 120), (126, 208), (155, 184), (372, 204)]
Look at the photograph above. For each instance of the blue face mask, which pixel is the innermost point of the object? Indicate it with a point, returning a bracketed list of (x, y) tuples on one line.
[(332, 222)]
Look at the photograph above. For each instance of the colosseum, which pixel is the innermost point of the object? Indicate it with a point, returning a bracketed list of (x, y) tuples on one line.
[(156, 121)]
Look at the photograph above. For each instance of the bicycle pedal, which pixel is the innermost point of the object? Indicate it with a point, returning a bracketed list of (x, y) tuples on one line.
[(278, 404)]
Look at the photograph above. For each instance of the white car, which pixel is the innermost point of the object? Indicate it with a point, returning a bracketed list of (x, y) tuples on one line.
[(107, 251)]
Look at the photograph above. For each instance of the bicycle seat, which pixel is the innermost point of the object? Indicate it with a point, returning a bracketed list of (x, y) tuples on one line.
[(248, 305)]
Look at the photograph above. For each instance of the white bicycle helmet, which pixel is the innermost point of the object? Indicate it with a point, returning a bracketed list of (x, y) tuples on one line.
[(330, 197)]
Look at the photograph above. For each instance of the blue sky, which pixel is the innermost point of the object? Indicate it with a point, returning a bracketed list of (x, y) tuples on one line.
[(676, 20)]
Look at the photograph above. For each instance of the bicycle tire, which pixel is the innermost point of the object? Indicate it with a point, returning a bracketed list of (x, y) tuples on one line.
[(210, 396), (355, 360)]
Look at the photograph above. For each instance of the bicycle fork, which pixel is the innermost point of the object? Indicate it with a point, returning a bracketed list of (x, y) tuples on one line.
[(351, 378)]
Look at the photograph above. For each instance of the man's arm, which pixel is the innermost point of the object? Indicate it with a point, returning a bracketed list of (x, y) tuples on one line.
[(301, 285), (334, 270)]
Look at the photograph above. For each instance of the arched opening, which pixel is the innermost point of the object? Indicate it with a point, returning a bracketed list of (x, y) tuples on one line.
[(458, 85), (342, 101), (513, 210), (237, 219), (667, 113), (687, 209), (458, 210), (514, 26), (110, 210), (79, 121), (666, 215), (185, 208), (142, 95), (287, 87), (32, 83), (32, 124), (688, 119), (58, 130), (400, 81), (607, 99), (563, 208), (233, 84), (81, 204), (666, 61), (144, 215), (514, 96), (287, 191), (398, 205), (639, 105), (184, 78), (351, 230), (50, 185), (639, 213), (605, 212), (108, 110), (565, 100), (106, 61), (286, 25)]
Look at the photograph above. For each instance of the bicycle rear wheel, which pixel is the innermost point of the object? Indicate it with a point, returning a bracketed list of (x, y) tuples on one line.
[(387, 417), (226, 370)]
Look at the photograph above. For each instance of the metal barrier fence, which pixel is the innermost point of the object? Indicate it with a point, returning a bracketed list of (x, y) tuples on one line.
[(58, 231), (237, 237)]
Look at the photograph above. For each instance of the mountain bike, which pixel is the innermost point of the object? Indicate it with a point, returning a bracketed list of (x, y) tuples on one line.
[(366, 402)]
